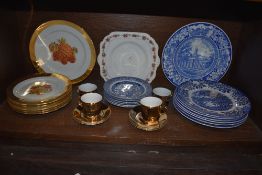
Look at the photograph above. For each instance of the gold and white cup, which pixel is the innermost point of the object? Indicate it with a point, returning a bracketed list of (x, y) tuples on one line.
[(86, 88), (91, 104), (151, 108), (164, 94)]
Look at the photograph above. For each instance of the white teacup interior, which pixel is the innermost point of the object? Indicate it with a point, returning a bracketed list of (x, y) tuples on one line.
[(151, 102), (91, 98), (161, 91), (87, 87)]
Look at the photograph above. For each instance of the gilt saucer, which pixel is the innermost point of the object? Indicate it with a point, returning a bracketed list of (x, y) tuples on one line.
[(81, 118), (136, 119)]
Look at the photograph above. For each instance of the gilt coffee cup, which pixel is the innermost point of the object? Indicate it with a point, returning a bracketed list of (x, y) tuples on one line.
[(164, 94), (86, 88), (151, 108), (91, 104)]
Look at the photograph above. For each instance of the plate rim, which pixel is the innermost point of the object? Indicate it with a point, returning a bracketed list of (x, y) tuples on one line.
[(87, 38)]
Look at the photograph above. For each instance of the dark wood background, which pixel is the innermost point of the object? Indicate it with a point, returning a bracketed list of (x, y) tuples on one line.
[(54, 143)]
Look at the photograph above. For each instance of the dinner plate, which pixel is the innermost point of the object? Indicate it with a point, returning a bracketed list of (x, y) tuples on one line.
[(131, 54), (197, 51), (213, 99), (211, 124), (62, 47)]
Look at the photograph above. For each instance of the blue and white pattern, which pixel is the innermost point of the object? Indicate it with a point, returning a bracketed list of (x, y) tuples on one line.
[(197, 51), (211, 103), (126, 91)]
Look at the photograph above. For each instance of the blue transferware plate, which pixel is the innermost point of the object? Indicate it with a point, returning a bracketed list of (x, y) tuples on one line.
[(210, 124), (121, 103), (208, 119), (213, 99), (127, 88), (211, 117), (197, 51)]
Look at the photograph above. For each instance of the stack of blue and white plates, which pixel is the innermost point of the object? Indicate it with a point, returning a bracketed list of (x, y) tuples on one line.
[(211, 104), (126, 91)]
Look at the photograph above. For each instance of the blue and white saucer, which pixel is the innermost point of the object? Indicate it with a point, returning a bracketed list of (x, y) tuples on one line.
[(126, 91), (197, 51)]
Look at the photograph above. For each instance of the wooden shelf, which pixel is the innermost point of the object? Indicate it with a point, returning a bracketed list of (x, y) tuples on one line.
[(179, 131)]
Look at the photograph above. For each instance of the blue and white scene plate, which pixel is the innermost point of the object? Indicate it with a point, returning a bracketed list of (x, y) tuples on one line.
[(197, 51), (126, 91), (213, 99)]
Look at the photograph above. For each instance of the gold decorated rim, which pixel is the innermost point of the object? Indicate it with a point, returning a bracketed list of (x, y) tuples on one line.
[(41, 110), (86, 37), (21, 102)]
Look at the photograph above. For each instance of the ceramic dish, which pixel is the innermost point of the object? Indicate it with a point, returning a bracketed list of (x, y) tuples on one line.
[(39, 93), (127, 88), (130, 54), (136, 119), (103, 116), (197, 51), (200, 121), (213, 99), (62, 47)]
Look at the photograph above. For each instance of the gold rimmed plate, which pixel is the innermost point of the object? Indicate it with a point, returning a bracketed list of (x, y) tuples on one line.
[(81, 118), (136, 119), (39, 89), (62, 47)]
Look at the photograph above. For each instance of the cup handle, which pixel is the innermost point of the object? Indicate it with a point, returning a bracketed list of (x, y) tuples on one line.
[(80, 106), (163, 108)]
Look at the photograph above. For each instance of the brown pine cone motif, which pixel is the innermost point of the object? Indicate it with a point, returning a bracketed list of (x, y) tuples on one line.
[(62, 51)]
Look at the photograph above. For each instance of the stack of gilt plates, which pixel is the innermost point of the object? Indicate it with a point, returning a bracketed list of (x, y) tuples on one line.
[(39, 93), (211, 104), (126, 91)]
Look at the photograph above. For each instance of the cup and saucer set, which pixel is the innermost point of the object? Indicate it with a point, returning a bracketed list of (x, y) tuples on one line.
[(91, 110)]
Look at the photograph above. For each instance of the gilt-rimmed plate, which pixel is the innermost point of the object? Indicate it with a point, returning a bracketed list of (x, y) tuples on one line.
[(197, 51), (127, 88), (39, 89), (131, 54), (213, 99), (62, 47)]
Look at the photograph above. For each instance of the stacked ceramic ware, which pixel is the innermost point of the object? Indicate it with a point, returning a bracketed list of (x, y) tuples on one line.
[(126, 91), (211, 104), (39, 93)]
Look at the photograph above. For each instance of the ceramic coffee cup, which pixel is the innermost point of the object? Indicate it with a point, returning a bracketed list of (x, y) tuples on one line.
[(86, 88), (151, 108), (164, 94), (91, 104)]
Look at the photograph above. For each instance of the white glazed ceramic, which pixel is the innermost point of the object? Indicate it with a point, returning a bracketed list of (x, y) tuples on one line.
[(91, 98), (151, 102), (162, 92), (129, 54), (87, 87), (62, 47), (48, 87)]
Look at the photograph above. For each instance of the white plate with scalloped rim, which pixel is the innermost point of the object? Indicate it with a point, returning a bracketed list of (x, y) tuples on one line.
[(131, 54)]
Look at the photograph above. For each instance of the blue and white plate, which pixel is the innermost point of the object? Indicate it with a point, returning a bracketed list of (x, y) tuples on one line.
[(208, 119), (197, 51), (200, 121), (213, 99), (126, 91), (127, 88)]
